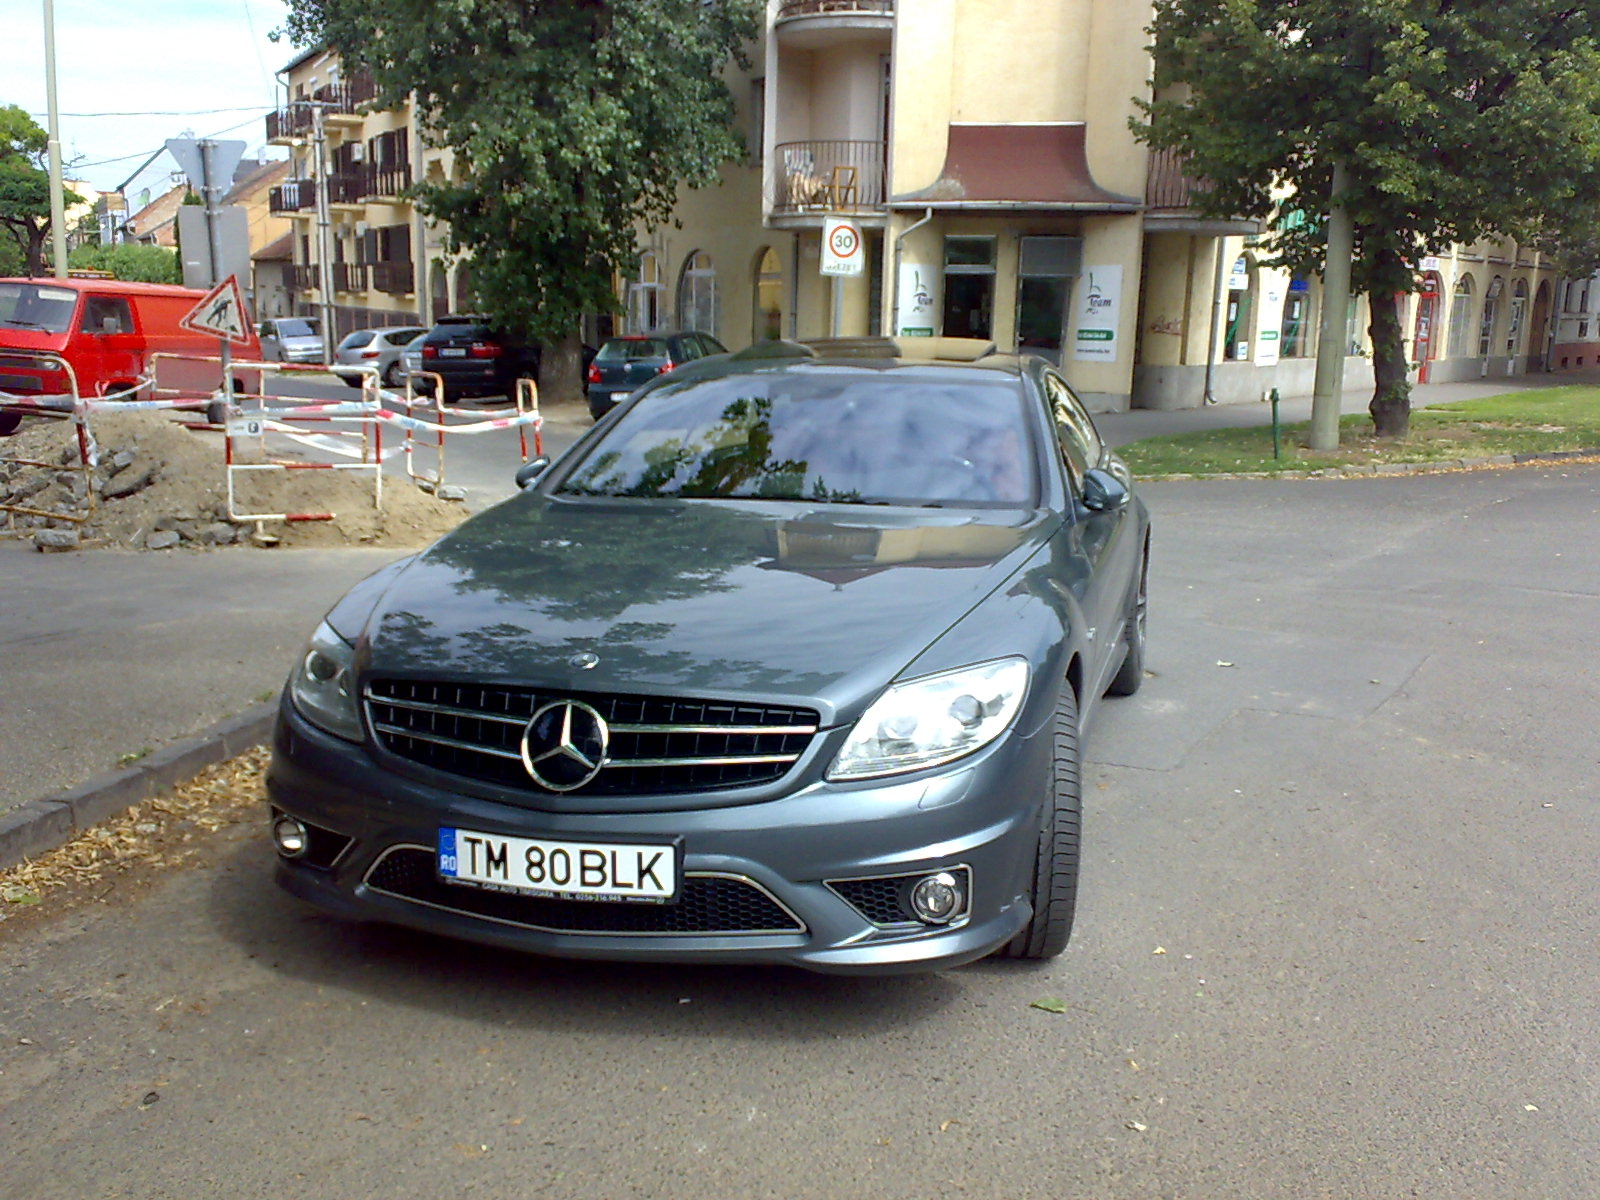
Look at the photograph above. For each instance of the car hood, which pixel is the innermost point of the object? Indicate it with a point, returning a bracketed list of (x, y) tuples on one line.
[(716, 598)]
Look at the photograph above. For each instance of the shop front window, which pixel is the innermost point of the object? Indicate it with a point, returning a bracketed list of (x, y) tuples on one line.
[(1296, 327), (969, 287), (1460, 317), (1045, 271), (1236, 319)]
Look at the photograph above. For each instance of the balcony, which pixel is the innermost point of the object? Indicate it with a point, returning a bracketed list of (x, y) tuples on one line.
[(340, 102), (349, 277), (1169, 200), (813, 24), (300, 278), (829, 176), (347, 187), (297, 195), (388, 179), (395, 278)]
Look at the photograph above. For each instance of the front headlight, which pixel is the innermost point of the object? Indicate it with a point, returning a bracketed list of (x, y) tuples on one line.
[(925, 722), (321, 685)]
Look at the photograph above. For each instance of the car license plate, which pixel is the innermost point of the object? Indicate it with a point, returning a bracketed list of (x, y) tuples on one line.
[(453, 352), (619, 396), (571, 870)]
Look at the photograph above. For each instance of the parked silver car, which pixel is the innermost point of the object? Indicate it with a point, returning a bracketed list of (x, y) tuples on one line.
[(291, 339), (379, 348)]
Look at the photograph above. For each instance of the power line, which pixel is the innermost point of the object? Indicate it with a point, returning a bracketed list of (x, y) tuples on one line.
[(187, 112)]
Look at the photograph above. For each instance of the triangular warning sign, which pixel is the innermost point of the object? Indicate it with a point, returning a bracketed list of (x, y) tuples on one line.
[(221, 314)]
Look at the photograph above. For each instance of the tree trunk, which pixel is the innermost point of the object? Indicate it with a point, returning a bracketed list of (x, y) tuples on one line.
[(36, 239), (1391, 396), (561, 371)]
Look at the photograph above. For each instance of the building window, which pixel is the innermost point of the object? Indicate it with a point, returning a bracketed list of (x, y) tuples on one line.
[(1352, 326), (644, 295), (1460, 317), (1519, 309), (1296, 329), (1491, 300), (697, 295), (1046, 267), (969, 287), (767, 310), (1236, 318)]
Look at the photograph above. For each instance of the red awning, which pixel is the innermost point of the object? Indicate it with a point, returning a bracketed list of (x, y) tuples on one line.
[(1038, 168)]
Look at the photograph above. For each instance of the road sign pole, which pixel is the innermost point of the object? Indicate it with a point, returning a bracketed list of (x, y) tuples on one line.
[(211, 193)]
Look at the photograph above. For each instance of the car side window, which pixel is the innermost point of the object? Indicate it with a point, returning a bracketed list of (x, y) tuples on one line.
[(1075, 434), (107, 314)]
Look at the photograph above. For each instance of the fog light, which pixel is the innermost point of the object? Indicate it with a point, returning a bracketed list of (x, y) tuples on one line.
[(938, 899), (290, 836)]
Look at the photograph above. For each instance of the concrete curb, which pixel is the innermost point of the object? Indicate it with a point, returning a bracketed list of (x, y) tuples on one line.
[(1372, 470), (37, 826)]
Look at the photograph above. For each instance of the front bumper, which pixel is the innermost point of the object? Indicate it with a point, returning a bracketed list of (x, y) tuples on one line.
[(809, 852)]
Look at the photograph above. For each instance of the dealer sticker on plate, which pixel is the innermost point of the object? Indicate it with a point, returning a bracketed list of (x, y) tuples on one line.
[(577, 870)]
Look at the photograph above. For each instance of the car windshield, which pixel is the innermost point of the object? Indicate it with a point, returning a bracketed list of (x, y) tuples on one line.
[(296, 329), (832, 435), (631, 349), (37, 306)]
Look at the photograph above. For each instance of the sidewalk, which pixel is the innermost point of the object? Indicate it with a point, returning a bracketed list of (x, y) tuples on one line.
[(172, 661)]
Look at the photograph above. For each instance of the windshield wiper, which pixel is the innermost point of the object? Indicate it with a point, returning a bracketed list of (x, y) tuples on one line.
[(24, 324)]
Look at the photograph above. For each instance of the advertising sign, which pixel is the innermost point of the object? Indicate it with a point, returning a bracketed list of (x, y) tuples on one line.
[(1269, 321), (1098, 312), (918, 305)]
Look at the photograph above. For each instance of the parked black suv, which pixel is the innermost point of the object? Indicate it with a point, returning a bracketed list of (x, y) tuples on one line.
[(474, 359)]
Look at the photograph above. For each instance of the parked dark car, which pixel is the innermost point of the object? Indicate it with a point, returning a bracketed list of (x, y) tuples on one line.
[(624, 364), (789, 661), (474, 359), (379, 348)]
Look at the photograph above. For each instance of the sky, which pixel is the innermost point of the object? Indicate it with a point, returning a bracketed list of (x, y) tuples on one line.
[(187, 60)]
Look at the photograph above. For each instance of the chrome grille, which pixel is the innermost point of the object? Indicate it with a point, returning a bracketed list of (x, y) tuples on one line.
[(709, 904), (657, 744)]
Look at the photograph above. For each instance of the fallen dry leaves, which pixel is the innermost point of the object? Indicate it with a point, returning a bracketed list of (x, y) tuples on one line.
[(167, 831)]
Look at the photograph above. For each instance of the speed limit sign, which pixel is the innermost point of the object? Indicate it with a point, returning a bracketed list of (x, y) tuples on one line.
[(841, 248)]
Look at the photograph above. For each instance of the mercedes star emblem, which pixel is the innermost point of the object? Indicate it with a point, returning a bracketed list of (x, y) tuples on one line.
[(585, 661), (564, 745)]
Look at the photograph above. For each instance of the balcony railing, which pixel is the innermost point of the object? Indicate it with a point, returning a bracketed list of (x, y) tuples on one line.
[(1167, 185), (388, 179), (349, 277), (347, 187), (830, 176), (396, 278), (337, 100), (300, 278), (295, 196), (835, 8)]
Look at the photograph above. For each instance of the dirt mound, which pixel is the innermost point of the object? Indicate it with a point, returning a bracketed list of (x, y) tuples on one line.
[(159, 485)]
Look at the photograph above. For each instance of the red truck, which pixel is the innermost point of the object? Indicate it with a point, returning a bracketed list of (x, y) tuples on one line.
[(106, 330)]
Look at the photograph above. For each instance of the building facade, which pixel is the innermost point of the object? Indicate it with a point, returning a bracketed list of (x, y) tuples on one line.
[(981, 154)]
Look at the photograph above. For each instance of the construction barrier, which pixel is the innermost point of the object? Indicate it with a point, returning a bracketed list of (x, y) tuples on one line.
[(525, 397), (55, 406)]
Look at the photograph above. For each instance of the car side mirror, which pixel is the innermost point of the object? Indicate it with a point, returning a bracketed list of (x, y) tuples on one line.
[(1103, 491), (528, 473)]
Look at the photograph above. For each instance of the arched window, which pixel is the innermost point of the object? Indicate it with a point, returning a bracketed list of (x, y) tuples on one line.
[(1491, 304), (767, 309), (1461, 317), (1519, 311), (644, 295), (697, 295)]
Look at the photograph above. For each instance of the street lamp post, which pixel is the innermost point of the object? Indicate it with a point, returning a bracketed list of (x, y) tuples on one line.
[(58, 203)]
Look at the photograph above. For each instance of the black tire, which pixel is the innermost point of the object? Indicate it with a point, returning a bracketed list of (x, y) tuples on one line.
[(10, 422), (1131, 674), (1055, 868), (393, 377)]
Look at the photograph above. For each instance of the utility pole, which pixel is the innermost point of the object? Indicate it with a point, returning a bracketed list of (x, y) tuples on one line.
[(1325, 400), (319, 140), (58, 203), (211, 193)]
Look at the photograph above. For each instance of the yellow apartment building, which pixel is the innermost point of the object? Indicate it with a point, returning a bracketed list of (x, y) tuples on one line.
[(980, 153)]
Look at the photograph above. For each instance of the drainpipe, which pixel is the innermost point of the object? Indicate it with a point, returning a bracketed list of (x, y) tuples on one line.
[(894, 309), (1216, 319)]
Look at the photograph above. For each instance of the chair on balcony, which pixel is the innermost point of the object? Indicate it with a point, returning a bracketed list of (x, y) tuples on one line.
[(806, 189), (842, 189)]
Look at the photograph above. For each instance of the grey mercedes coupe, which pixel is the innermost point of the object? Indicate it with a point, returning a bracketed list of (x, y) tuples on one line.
[(789, 660)]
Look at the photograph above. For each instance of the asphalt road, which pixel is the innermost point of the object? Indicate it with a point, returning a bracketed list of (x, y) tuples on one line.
[(1336, 939)]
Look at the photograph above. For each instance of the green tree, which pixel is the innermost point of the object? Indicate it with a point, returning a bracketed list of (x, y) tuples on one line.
[(1456, 120), (572, 121), (25, 186), (144, 264)]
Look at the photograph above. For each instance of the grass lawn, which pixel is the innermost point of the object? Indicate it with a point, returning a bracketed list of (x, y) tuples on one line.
[(1535, 421)]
